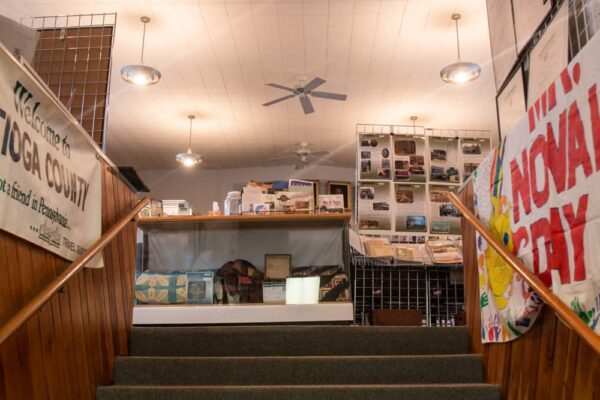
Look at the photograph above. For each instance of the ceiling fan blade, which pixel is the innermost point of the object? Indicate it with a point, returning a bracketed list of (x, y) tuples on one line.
[(314, 84), (289, 96), (280, 161), (306, 105), (332, 96), (319, 154), (280, 87)]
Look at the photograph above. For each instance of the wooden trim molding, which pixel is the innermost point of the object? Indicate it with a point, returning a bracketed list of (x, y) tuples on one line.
[(61, 280)]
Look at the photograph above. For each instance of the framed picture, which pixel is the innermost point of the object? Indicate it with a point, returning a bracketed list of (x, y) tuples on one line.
[(316, 192), (278, 266), (343, 188)]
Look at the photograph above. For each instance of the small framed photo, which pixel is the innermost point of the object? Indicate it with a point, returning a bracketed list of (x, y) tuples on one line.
[(343, 188), (278, 266)]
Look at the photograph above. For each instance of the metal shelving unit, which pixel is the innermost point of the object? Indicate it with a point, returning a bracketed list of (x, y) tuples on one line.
[(383, 283)]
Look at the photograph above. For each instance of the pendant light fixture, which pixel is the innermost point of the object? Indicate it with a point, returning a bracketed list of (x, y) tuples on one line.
[(460, 71), (140, 74), (189, 159)]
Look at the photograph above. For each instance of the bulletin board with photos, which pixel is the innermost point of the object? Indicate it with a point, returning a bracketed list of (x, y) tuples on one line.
[(405, 174)]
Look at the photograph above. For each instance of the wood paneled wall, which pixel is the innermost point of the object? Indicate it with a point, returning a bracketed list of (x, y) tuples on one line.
[(68, 348), (549, 362)]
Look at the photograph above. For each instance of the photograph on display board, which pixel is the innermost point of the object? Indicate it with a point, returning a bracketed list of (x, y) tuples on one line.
[(410, 208), (445, 217), (375, 157), (374, 206), (444, 160), (409, 159)]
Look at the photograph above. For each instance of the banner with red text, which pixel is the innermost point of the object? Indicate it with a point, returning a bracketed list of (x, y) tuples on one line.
[(539, 193), (50, 183)]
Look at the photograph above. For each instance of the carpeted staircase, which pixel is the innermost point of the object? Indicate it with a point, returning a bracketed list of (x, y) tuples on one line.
[(298, 363)]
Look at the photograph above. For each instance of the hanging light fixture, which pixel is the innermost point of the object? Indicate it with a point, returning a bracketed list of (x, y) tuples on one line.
[(140, 74), (189, 159), (460, 71)]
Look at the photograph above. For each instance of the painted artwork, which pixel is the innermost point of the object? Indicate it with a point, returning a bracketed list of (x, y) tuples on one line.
[(539, 194)]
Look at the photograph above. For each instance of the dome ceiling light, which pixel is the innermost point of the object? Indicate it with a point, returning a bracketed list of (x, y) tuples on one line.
[(140, 74), (189, 159), (460, 71)]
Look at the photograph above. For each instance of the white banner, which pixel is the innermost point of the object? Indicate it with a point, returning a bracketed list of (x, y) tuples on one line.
[(539, 193), (50, 183)]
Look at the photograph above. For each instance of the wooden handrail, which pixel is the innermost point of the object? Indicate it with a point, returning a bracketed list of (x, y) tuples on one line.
[(45, 294), (552, 300)]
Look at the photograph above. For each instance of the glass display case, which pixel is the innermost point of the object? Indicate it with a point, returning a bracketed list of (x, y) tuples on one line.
[(211, 269)]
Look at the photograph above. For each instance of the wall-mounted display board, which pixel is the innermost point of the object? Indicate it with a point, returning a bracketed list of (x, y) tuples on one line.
[(374, 206), (444, 217), (375, 155), (425, 165), (409, 158), (502, 39), (444, 160)]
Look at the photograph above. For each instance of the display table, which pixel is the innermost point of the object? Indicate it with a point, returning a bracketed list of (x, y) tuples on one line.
[(189, 244)]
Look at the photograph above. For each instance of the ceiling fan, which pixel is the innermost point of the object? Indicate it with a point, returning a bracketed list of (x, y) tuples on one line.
[(300, 158), (304, 91)]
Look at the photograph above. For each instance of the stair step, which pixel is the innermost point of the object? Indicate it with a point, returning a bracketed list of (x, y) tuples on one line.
[(326, 392), (314, 370), (296, 341)]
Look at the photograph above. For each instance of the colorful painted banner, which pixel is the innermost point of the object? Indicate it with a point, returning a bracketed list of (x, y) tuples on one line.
[(50, 183), (539, 194)]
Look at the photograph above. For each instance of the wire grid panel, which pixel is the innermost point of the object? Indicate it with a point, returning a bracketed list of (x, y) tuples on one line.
[(385, 287), (73, 56), (384, 283), (446, 295)]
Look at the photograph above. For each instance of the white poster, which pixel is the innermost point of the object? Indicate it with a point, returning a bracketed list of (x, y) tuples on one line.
[(529, 14), (539, 194), (375, 157), (50, 182), (550, 55), (502, 38), (410, 208), (374, 206), (511, 103)]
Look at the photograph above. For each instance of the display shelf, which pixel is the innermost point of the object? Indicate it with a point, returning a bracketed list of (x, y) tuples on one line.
[(442, 183), (242, 313), (246, 218)]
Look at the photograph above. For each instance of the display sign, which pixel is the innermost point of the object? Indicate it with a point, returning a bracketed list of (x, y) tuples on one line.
[(539, 194), (50, 182)]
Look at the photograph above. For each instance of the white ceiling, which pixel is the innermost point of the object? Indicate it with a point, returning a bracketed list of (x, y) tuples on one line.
[(216, 56)]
